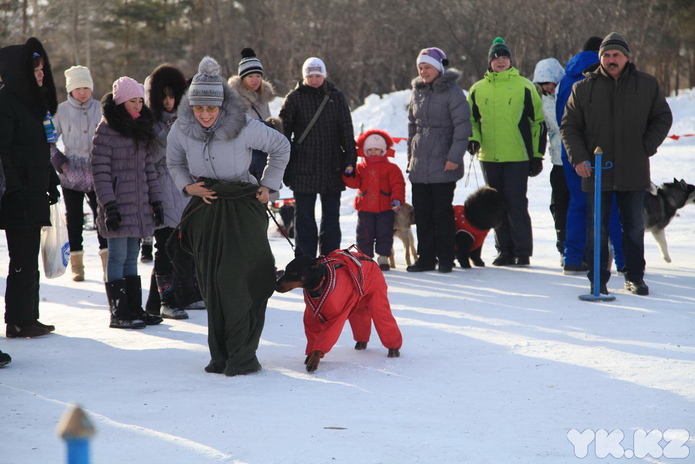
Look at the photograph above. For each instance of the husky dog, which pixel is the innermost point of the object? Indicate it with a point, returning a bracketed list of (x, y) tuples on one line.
[(660, 206)]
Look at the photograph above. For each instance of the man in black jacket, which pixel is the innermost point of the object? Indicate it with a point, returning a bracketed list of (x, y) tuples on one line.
[(622, 111)]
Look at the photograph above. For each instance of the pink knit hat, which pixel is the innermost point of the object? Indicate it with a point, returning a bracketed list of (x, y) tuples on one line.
[(126, 88)]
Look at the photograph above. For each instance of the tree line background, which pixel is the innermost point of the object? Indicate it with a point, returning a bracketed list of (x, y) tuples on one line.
[(369, 46)]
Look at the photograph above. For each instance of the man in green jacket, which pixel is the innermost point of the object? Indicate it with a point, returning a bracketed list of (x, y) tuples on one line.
[(622, 111), (509, 137)]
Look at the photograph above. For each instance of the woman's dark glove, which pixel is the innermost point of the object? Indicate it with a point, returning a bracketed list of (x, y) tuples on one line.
[(53, 195), (473, 147), (535, 166), (158, 212), (113, 216)]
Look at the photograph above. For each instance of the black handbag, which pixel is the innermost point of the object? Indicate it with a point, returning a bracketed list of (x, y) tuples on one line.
[(296, 146)]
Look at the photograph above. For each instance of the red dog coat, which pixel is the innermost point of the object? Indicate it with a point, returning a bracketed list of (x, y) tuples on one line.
[(355, 288), (462, 225)]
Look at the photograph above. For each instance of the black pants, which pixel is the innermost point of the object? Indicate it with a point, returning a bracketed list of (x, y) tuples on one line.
[(514, 237), (631, 208), (74, 216), (559, 204), (375, 230), (309, 236), (22, 287), (434, 220)]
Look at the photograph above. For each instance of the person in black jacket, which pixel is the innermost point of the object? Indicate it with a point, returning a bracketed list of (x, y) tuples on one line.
[(327, 151), (27, 101)]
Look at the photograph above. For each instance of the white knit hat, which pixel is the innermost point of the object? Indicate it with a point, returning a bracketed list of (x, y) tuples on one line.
[(78, 76), (375, 141), (313, 65)]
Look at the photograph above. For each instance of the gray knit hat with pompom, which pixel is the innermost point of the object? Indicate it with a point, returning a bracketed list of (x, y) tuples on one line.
[(207, 87)]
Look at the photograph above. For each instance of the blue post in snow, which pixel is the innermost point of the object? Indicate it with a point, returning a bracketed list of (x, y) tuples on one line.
[(598, 168), (76, 429)]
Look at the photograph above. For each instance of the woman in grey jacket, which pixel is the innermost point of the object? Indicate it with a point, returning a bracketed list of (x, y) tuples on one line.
[(76, 121), (438, 130), (225, 224)]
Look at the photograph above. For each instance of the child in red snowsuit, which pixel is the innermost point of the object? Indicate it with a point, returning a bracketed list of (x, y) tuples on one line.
[(381, 192), (354, 288)]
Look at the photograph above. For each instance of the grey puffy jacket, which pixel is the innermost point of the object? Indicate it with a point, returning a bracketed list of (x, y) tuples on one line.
[(438, 129)]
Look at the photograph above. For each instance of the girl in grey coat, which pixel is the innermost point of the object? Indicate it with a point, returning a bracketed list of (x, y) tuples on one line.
[(129, 196), (438, 130), (76, 121)]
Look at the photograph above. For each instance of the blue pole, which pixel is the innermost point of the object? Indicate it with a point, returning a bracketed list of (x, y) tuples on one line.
[(78, 450), (76, 429), (598, 168), (597, 221)]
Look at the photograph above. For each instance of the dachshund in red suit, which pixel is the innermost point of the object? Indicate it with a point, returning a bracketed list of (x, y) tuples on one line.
[(483, 210), (344, 285)]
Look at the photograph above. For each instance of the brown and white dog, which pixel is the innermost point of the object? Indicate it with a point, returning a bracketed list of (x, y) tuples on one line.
[(403, 221), (344, 285)]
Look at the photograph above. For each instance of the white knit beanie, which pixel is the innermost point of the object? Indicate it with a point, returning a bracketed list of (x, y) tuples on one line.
[(78, 76), (313, 65), (375, 141)]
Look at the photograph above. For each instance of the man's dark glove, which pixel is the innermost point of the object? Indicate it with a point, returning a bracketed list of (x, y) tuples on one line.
[(113, 216), (158, 212), (53, 195), (473, 147), (535, 166)]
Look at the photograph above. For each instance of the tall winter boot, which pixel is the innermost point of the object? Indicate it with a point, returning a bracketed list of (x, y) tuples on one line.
[(77, 265), (134, 291), (118, 305), (153, 303), (169, 308), (146, 250), (187, 292), (104, 255)]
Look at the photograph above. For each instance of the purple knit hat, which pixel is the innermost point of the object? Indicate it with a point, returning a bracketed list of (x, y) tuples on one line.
[(126, 88), (433, 56)]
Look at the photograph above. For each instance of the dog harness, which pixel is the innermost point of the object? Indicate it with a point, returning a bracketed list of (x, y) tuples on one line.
[(462, 225), (337, 259)]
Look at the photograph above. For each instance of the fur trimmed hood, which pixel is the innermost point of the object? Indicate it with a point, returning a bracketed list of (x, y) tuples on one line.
[(448, 78), (17, 73), (162, 77), (118, 119), (254, 98), (229, 124)]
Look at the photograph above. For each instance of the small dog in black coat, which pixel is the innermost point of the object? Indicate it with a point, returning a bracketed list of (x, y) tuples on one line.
[(661, 205), (483, 210)]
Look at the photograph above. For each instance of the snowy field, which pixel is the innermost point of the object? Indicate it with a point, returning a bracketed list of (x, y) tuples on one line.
[(498, 365)]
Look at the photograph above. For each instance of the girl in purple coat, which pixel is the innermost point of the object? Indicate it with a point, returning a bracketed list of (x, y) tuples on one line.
[(128, 194)]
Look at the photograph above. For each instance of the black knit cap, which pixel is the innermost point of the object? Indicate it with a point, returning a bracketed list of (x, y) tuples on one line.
[(592, 44), (249, 64), (614, 41), (499, 48)]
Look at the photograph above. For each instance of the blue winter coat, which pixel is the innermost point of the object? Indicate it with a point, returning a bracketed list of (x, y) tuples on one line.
[(573, 73)]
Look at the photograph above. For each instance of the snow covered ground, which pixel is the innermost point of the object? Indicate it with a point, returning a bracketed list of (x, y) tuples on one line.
[(498, 366)]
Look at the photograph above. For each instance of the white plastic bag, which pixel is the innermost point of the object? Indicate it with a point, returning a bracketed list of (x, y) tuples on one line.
[(55, 245)]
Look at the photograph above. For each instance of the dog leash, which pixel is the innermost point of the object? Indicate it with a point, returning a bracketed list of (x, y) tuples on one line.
[(297, 251), (471, 167)]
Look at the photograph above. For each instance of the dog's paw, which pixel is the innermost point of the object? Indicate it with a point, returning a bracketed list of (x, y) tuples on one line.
[(479, 262), (361, 345), (394, 353), (312, 361)]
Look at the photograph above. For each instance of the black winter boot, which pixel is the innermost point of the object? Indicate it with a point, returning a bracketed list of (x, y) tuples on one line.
[(121, 318), (153, 301), (169, 308), (146, 250), (134, 292)]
